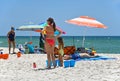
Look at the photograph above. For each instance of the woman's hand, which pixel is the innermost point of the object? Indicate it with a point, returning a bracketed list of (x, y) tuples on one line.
[(57, 37)]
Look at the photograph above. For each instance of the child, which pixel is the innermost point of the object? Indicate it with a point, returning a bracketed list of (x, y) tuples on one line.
[(61, 50)]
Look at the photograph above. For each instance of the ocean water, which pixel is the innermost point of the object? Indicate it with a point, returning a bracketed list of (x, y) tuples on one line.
[(102, 44)]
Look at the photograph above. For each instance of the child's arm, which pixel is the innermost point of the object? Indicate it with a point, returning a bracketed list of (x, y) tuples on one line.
[(58, 46)]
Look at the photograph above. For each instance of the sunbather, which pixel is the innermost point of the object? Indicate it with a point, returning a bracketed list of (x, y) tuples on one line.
[(78, 55)]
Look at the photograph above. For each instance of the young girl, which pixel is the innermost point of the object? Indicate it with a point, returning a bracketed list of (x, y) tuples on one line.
[(61, 50)]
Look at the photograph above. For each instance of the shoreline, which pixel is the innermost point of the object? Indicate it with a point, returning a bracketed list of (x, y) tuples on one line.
[(16, 49)]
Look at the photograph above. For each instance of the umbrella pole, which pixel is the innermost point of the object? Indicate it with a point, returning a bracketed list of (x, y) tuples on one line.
[(30, 37), (83, 41)]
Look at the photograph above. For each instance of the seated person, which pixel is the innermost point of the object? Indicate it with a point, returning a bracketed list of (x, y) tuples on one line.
[(78, 55), (29, 48), (21, 48)]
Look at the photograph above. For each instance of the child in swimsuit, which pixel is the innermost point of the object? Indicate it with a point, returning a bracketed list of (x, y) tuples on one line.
[(61, 50)]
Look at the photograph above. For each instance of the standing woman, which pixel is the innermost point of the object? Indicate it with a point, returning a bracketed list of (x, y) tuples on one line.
[(48, 32), (11, 39)]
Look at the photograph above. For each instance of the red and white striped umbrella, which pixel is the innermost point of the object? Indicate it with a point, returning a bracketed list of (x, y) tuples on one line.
[(86, 21)]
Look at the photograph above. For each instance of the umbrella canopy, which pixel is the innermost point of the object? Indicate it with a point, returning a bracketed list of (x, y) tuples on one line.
[(38, 28), (29, 27), (87, 22)]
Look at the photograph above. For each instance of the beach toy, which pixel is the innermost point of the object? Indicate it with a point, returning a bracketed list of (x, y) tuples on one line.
[(47, 63), (5, 56), (72, 63), (19, 54), (66, 64), (1, 56), (34, 65), (57, 62)]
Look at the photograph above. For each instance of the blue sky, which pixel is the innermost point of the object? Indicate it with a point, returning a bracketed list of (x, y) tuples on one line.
[(21, 12)]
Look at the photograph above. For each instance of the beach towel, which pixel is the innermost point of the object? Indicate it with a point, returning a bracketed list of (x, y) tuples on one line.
[(69, 50), (96, 58)]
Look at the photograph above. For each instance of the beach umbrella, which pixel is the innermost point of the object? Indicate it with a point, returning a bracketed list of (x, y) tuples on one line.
[(37, 28), (29, 27), (87, 22)]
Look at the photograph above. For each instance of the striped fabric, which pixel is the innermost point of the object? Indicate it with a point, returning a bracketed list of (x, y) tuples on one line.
[(86, 21)]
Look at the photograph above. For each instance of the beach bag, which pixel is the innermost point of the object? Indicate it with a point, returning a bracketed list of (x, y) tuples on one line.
[(69, 50)]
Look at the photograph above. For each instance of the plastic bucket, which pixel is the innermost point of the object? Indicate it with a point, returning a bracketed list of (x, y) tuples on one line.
[(47, 63), (66, 64), (1, 56), (19, 54), (72, 63), (57, 62), (5, 56)]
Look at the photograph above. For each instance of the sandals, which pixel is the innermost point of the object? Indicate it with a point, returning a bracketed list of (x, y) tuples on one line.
[(48, 68), (14, 53)]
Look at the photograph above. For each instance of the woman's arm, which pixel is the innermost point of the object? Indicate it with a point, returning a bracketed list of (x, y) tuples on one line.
[(14, 35), (8, 35), (59, 33)]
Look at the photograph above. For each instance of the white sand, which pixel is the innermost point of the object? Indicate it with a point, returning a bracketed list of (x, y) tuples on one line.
[(20, 69)]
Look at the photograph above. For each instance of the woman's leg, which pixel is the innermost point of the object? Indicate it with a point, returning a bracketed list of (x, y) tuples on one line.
[(49, 60), (13, 42), (52, 56), (9, 45), (48, 55)]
